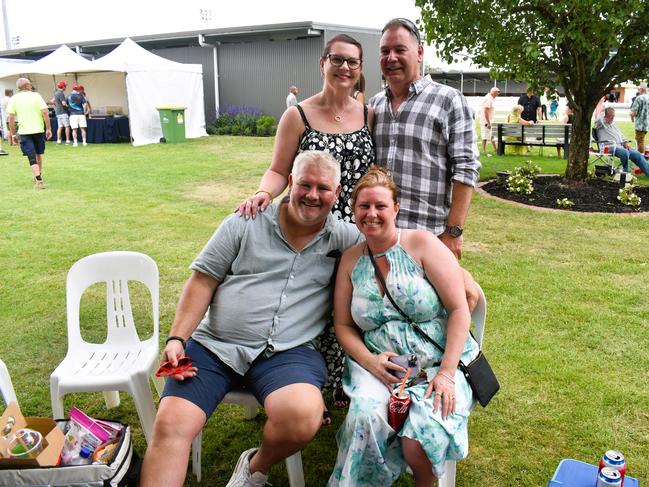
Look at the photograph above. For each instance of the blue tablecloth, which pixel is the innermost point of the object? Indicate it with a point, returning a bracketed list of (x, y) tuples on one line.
[(573, 473), (102, 130)]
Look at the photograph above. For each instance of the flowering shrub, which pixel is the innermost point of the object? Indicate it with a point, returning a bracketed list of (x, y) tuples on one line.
[(627, 197), (564, 203), (243, 120), (521, 181), (519, 184)]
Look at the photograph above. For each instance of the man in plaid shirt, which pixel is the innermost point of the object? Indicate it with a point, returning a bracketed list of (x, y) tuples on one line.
[(424, 133)]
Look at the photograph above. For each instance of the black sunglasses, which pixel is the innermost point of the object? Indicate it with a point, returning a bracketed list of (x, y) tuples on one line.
[(408, 24)]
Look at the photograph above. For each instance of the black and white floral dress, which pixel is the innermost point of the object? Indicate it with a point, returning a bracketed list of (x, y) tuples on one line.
[(355, 152)]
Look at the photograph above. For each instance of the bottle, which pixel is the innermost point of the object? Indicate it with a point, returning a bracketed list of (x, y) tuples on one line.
[(83, 458)]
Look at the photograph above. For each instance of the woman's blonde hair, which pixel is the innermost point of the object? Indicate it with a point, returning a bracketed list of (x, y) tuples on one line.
[(375, 176), (517, 109)]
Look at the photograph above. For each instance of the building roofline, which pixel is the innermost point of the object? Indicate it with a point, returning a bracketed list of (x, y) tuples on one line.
[(190, 38)]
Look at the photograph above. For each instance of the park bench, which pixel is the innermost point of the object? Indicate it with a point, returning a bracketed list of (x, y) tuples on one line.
[(550, 135)]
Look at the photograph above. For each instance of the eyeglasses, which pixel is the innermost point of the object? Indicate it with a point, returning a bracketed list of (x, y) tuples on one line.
[(167, 368), (338, 61), (408, 24)]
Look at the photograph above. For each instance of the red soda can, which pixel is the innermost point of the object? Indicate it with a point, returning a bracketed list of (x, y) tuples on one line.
[(605, 150), (398, 409), (615, 460), (609, 477)]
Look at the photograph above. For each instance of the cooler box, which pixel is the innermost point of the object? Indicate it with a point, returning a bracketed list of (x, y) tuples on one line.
[(573, 473), (172, 120)]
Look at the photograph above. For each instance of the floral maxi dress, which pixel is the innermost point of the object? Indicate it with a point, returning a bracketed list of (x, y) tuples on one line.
[(369, 450)]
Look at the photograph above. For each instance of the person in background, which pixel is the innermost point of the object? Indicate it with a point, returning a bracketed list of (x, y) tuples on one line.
[(77, 105), (4, 117), (424, 279), (291, 99), (425, 135), (515, 117), (545, 101), (531, 106), (567, 118), (609, 136), (359, 90), (31, 110), (554, 105), (487, 115), (640, 116), (87, 107), (280, 265), (61, 111)]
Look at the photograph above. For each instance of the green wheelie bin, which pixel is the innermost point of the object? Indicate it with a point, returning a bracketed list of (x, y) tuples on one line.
[(172, 120)]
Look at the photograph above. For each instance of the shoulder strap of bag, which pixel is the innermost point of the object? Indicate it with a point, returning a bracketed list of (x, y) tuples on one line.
[(414, 324)]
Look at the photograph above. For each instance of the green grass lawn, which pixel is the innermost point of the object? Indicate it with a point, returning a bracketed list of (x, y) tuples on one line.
[(567, 302)]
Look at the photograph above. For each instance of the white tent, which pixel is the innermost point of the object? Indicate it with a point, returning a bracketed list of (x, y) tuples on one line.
[(130, 78), (153, 81)]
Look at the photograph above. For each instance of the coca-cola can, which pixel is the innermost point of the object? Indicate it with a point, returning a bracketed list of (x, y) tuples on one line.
[(398, 409), (609, 477), (615, 460)]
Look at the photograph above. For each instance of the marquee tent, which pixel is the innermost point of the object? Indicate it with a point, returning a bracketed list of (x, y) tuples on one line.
[(129, 78), (153, 81)]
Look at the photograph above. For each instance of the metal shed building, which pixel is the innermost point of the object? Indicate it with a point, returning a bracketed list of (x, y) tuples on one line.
[(249, 66)]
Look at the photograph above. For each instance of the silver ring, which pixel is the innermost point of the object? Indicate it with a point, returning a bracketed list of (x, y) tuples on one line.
[(438, 393)]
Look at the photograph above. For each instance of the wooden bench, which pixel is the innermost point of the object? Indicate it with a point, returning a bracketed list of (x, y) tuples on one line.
[(550, 135)]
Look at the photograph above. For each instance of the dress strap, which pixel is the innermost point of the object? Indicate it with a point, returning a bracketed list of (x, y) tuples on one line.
[(381, 254), (306, 122), (365, 113)]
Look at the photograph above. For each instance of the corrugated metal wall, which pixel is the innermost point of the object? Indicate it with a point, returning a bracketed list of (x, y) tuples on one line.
[(259, 73), (196, 55)]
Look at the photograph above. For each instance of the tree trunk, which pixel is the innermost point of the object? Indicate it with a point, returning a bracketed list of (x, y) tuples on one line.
[(577, 167)]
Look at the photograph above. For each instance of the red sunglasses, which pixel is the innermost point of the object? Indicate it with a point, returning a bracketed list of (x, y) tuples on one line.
[(167, 368)]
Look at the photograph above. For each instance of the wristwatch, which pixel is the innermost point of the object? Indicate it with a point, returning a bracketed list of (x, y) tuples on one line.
[(454, 231)]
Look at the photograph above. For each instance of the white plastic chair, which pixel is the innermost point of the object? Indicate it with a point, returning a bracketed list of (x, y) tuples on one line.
[(250, 404), (6, 387), (479, 317), (123, 362)]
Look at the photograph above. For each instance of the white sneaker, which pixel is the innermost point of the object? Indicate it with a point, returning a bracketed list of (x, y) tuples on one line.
[(75, 144), (85, 143), (58, 141), (67, 142), (241, 476)]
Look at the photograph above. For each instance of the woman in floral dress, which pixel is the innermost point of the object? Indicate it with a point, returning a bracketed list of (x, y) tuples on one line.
[(425, 280)]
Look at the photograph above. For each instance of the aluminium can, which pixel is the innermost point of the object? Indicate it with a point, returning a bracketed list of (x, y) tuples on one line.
[(609, 477)]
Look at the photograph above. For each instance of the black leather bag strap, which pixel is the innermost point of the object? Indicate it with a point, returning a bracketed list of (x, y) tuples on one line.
[(413, 323)]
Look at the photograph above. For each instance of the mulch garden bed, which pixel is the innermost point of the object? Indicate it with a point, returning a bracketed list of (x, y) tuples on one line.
[(596, 195)]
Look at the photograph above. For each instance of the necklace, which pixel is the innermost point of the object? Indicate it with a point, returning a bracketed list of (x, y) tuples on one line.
[(338, 117)]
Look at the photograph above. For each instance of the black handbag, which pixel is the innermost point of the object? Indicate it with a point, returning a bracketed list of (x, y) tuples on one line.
[(478, 372)]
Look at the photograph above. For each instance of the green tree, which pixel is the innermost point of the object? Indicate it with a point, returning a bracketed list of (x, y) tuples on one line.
[(586, 46)]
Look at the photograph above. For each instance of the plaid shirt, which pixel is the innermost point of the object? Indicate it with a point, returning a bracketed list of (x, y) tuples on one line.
[(429, 142)]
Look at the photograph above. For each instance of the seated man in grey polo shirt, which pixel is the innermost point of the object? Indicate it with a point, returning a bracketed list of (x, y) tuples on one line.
[(266, 286)]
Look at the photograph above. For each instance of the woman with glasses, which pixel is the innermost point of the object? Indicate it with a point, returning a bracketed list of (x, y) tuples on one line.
[(331, 121)]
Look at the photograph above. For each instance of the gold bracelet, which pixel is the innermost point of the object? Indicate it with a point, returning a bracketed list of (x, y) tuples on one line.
[(264, 191), (439, 372)]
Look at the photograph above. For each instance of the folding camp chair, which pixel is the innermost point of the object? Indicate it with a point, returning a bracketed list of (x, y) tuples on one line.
[(604, 157)]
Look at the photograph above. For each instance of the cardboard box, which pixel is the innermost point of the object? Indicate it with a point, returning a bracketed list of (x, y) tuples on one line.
[(52, 435)]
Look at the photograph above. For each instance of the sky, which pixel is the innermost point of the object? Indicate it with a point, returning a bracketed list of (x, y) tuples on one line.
[(46, 22)]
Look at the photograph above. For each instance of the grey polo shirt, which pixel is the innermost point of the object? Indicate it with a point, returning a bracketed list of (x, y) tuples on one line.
[(271, 297)]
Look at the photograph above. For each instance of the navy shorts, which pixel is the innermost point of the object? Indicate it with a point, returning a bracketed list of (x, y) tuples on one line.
[(32, 144), (214, 379)]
